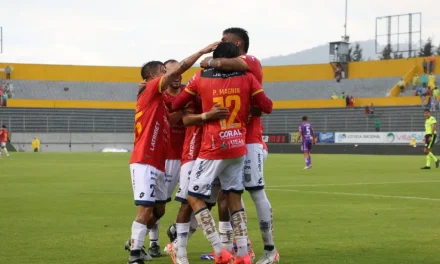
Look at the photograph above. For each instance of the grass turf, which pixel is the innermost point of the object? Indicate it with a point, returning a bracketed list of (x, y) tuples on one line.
[(78, 208)]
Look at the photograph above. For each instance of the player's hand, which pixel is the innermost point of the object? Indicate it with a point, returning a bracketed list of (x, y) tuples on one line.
[(210, 48), (256, 111), (142, 84), (217, 112), (204, 64)]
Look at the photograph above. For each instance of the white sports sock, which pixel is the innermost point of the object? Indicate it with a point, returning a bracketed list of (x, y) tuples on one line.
[(242, 203), (138, 233), (192, 225), (226, 234), (182, 239), (154, 234), (6, 151), (239, 220), (207, 224), (264, 212)]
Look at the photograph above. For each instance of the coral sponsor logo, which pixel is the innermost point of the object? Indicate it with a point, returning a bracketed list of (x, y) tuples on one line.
[(230, 134)]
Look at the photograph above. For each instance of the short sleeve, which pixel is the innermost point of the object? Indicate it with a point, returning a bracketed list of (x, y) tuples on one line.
[(152, 90), (255, 85), (254, 66), (433, 120), (191, 87)]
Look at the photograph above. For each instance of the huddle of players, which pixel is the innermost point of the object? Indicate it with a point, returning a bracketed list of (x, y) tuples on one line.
[(222, 148)]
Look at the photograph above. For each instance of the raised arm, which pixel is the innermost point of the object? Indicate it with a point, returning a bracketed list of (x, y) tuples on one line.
[(185, 65), (225, 64)]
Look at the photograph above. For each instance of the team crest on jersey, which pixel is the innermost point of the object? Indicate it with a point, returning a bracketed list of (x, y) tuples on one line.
[(223, 145)]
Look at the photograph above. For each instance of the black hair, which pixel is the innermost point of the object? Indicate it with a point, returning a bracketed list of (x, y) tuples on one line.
[(304, 118), (427, 110), (241, 33), (170, 61), (3, 126), (148, 68), (226, 50)]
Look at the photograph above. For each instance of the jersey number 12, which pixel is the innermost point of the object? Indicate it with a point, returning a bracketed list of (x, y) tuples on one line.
[(227, 102)]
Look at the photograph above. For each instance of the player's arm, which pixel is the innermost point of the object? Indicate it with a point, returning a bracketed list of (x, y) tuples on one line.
[(260, 98), (225, 64), (175, 117), (313, 135), (433, 127), (299, 135), (216, 112), (185, 65)]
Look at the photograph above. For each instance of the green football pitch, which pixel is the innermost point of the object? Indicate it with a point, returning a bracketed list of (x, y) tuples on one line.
[(78, 208)]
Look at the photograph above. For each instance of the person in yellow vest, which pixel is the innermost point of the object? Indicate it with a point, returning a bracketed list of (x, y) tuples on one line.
[(431, 80), (416, 81), (36, 144), (334, 96), (413, 143)]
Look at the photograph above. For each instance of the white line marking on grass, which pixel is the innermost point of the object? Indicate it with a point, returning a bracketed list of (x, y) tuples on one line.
[(359, 194), (348, 184)]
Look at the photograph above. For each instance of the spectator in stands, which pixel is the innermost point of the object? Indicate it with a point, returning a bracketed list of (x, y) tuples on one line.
[(424, 80), (372, 109), (428, 95), (351, 102), (8, 71), (367, 110), (431, 80), (343, 95), (347, 100), (416, 81), (5, 99), (434, 99), (377, 125), (401, 85), (431, 64), (1, 96), (425, 66), (334, 96)]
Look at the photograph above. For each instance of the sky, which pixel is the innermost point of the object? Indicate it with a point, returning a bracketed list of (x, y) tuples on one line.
[(131, 32)]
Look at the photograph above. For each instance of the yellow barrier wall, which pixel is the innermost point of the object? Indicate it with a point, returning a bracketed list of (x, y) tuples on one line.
[(324, 103), (316, 72)]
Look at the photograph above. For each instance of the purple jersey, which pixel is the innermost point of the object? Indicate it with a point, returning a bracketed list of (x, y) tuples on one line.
[(306, 134)]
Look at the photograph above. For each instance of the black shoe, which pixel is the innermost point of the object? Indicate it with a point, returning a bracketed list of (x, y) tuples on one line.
[(154, 251), (425, 168), (172, 236), (144, 254), (437, 164), (137, 261)]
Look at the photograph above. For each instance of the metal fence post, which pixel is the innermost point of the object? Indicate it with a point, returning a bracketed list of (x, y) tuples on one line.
[(47, 124), (68, 124)]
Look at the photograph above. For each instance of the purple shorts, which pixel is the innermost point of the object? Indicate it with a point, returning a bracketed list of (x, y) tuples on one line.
[(306, 146)]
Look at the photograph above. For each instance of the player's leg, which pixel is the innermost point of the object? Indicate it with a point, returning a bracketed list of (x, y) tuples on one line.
[(254, 184), (143, 190), (427, 151), (199, 189), (430, 154), (231, 180), (225, 227), (177, 248), (4, 149)]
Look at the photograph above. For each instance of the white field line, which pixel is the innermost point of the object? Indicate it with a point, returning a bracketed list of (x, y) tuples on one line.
[(349, 184), (358, 194)]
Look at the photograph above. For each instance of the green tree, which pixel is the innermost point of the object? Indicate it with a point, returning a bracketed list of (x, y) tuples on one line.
[(397, 55), (427, 49), (386, 52), (357, 53)]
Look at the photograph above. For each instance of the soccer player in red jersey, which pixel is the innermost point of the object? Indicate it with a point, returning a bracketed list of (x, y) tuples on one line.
[(257, 148), (174, 153), (147, 162), (4, 136), (223, 147)]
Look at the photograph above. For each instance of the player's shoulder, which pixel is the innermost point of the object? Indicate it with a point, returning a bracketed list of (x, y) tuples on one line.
[(432, 119), (249, 58)]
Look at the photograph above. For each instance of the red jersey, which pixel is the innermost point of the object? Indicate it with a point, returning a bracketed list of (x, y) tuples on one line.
[(224, 139), (255, 126), (177, 131), (3, 135), (152, 127), (193, 135)]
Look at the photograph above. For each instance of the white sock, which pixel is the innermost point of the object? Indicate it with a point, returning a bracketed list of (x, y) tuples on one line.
[(207, 224), (154, 234), (242, 203), (239, 220), (138, 233), (264, 212), (192, 225), (182, 239), (6, 151), (226, 234)]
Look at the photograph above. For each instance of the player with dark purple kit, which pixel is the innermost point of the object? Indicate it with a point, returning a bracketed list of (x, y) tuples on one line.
[(308, 140)]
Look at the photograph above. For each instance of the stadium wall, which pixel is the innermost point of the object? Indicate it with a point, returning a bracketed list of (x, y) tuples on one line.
[(278, 104), (73, 142), (316, 72)]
